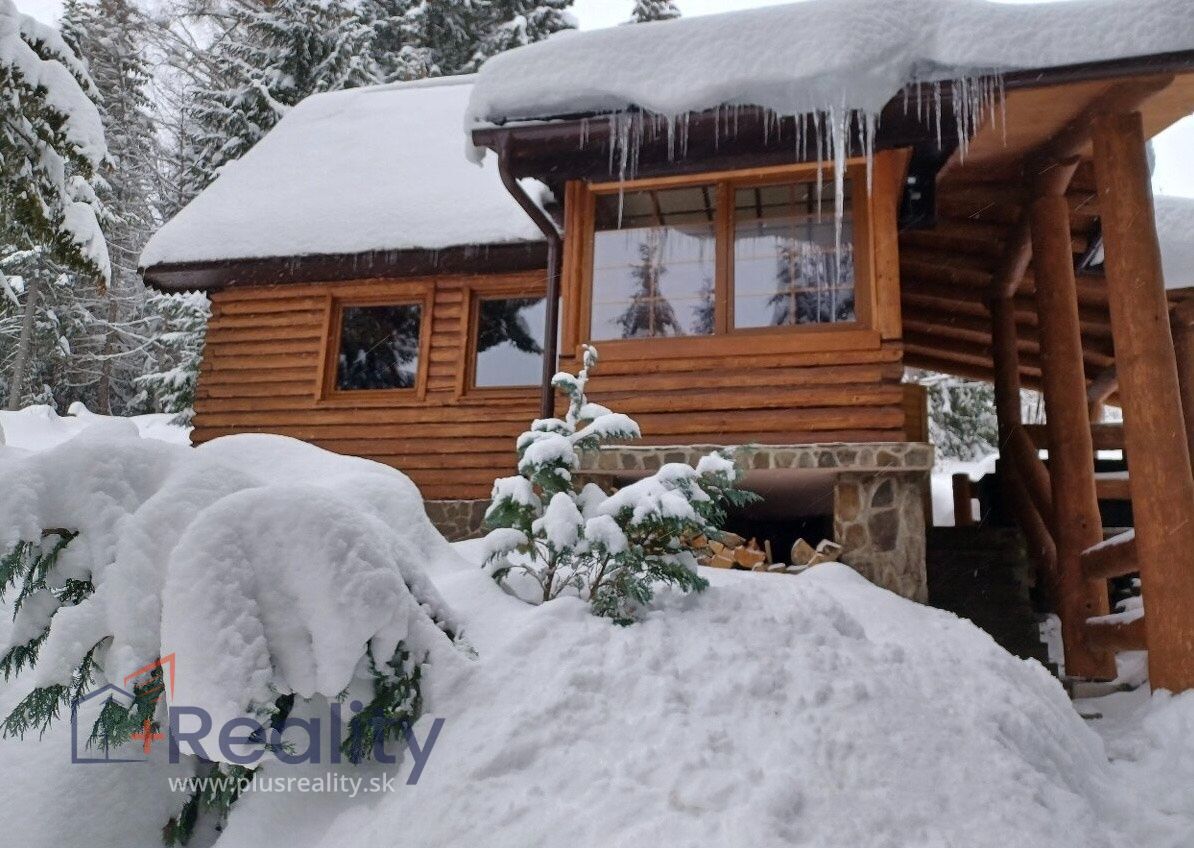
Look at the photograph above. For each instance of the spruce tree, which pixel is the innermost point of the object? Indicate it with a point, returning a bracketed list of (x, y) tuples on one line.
[(273, 55), (51, 143), (515, 23), (653, 10), (109, 36)]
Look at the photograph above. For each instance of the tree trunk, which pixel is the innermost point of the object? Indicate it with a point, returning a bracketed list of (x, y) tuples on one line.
[(103, 392), (20, 365)]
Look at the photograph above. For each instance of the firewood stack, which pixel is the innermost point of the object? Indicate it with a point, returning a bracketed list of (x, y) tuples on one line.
[(730, 551), (733, 551)]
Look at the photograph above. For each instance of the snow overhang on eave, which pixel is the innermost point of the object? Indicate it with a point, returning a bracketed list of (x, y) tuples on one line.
[(577, 146)]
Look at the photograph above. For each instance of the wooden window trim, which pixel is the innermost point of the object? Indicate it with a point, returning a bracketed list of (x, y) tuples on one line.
[(392, 294), (474, 292), (864, 333)]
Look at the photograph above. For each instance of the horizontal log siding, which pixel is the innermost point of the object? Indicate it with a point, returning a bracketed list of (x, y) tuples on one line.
[(261, 371), (792, 398)]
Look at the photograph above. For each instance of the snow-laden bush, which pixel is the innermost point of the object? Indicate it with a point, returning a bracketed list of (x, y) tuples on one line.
[(612, 550), (279, 576)]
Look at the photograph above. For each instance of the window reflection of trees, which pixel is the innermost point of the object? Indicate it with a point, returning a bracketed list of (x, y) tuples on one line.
[(379, 347)]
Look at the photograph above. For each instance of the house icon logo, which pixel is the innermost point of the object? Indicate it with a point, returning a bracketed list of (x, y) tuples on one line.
[(148, 683)]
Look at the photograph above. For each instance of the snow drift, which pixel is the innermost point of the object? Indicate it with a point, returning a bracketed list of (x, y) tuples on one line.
[(771, 710), (265, 564)]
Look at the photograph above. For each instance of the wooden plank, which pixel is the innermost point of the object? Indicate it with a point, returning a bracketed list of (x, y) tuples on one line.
[(1116, 636), (1154, 426), (1113, 488), (1115, 557), (963, 495)]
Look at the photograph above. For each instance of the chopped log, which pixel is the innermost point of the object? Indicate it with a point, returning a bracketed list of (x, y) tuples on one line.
[(1154, 426), (1114, 557)]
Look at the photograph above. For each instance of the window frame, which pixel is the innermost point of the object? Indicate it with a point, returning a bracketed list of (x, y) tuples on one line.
[(491, 289), (846, 335), (399, 294)]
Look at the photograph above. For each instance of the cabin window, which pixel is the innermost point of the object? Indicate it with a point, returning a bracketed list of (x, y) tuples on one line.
[(508, 341), (653, 264), (379, 347), (792, 263), (746, 252)]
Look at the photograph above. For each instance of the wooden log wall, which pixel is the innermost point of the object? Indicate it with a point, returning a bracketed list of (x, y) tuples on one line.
[(263, 364), (768, 398), (262, 369)]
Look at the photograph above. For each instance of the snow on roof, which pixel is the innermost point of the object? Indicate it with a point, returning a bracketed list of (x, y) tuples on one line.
[(813, 55), (1175, 231), (369, 169)]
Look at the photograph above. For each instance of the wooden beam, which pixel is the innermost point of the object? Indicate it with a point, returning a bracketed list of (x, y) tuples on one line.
[(1076, 522), (1106, 437), (1154, 427), (1051, 167), (963, 495)]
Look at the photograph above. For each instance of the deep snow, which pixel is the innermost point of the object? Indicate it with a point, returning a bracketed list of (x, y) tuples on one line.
[(369, 169), (771, 710), (813, 55)]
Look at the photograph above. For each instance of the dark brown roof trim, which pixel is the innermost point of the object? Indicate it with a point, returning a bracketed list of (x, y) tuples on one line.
[(469, 259)]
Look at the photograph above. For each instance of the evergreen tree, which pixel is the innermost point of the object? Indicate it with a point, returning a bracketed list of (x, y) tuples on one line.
[(962, 423), (109, 36), (650, 314), (653, 10), (176, 325), (51, 143), (551, 536), (274, 54), (515, 23)]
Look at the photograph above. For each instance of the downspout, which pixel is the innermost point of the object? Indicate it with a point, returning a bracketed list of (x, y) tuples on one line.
[(554, 253)]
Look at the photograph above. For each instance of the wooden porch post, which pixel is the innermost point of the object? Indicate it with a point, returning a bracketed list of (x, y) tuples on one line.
[(1076, 521), (1160, 481), (1182, 323)]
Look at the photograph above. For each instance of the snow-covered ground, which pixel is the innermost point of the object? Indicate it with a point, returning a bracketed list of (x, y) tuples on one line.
[(39, 427), (770, 710)]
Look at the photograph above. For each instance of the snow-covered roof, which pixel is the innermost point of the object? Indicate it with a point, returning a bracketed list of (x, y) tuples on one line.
[(369, 169), (814, 55), (1175, 231)]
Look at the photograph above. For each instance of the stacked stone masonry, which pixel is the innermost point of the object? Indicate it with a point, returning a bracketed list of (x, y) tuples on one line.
[(880, 492)]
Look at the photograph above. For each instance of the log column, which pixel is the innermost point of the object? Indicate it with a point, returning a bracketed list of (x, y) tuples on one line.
[(1076, 522), (1160, 481), (1182, 323)]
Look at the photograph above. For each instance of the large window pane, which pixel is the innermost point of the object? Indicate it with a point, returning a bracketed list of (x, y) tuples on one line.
[(791, 264), (379, 347), (653, 264), (510, 341)]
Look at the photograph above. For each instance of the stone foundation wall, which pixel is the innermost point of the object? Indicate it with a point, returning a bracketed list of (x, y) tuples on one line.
[(879, 496), (457, 520), (879, 520)]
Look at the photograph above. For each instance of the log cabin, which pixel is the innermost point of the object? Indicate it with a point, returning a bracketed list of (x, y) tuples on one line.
[(751, 276)]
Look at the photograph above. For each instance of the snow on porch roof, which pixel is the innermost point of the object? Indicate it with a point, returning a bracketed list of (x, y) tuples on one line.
[(1175, 231), (369, 169), (813, 55)]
